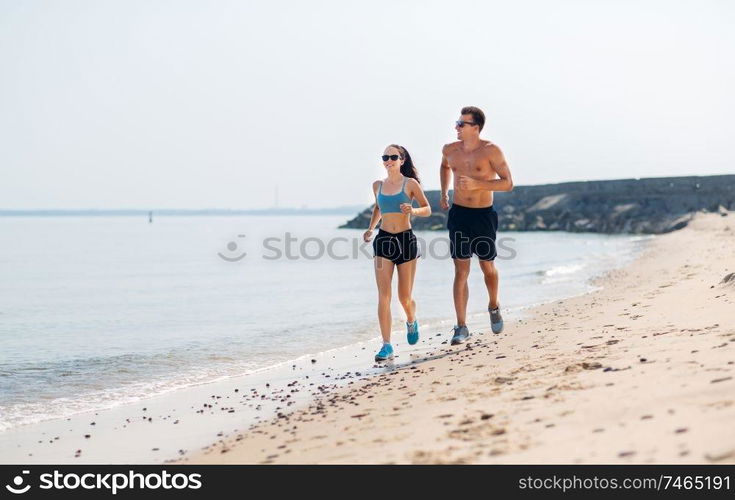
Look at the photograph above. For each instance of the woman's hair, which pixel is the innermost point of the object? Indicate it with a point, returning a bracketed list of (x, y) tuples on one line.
[(408, 169)]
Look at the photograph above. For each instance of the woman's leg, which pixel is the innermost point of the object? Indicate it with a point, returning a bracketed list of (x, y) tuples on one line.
[(383, 277), (406, 275)]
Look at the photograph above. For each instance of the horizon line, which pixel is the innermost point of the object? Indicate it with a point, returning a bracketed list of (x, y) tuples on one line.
[(339, 208)]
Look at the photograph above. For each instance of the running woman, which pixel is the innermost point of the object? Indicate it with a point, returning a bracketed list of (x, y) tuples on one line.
[(395, 246)]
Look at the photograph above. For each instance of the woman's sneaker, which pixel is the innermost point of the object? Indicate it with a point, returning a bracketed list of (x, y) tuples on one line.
[(412, 332), (386, 352), (461, 333)]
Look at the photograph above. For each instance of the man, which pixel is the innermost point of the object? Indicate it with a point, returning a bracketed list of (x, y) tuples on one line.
[(479, 168)]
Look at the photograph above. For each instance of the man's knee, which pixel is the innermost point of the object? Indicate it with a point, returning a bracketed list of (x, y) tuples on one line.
[(488, 267), (461, 271)]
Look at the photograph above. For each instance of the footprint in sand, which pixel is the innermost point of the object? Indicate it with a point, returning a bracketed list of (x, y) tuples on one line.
[(476, 432), (719, 405), (720, 455)]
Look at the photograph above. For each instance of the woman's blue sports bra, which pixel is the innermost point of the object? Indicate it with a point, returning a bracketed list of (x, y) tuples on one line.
[(391, 203)]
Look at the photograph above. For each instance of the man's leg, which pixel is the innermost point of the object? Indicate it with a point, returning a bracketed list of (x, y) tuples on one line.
[(490, 273), (491, 282), (484, 246), (461, 289)]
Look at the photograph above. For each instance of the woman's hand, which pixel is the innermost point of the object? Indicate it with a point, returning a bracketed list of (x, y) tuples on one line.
[(406, 208), (367, 235)]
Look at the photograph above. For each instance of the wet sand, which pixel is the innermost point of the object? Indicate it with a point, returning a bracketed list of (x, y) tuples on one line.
[(640, 371)]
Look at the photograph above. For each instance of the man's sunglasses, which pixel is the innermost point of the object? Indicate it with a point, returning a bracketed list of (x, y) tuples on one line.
[(390, 157), (462, 123)]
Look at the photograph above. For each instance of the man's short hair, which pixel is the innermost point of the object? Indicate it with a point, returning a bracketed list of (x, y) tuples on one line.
[(477, 115)]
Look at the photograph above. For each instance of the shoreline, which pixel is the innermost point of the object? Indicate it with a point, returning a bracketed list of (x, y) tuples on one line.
[(164, 426), (200, 412), (639, 371), (184, 419)]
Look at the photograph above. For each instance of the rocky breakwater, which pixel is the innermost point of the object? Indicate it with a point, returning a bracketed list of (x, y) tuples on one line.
[(637, 206)]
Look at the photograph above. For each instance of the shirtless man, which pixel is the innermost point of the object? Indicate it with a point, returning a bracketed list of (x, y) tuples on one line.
[(479, 168)]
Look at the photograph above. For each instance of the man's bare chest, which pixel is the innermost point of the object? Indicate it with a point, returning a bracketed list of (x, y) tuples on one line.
[(469, 163)]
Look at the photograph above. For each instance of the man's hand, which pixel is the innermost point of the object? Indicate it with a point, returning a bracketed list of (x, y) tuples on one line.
[(467, 183), (444, 201)]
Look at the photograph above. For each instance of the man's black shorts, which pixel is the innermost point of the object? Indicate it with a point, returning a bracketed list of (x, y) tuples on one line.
[(472, 231), (399, 248)]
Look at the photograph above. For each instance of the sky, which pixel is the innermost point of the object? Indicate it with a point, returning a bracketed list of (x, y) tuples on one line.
[(201, 104)]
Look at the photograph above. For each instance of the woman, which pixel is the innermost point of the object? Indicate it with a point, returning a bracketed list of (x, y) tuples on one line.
[(395, 245)]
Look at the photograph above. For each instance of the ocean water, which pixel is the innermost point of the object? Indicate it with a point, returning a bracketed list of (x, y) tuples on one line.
[(99, 311)]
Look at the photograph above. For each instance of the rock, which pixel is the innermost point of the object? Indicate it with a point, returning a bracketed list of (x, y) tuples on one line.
[(638, 206)]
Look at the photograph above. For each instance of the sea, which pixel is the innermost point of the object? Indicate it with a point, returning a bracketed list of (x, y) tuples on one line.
[(100, 311)]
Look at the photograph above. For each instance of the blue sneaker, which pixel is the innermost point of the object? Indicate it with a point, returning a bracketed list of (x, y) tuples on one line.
[(461, 333), (386, 352), (496, 320), (412, 332)]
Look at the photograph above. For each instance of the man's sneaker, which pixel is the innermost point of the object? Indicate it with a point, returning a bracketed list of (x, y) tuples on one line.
[(386, 352), (461, 333), (412, 332), (496, 320)]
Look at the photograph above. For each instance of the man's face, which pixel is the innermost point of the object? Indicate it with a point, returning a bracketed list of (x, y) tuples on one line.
[(467, 131)]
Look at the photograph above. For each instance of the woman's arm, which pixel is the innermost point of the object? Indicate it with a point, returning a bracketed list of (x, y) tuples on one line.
[(416, 193), (375, 217)]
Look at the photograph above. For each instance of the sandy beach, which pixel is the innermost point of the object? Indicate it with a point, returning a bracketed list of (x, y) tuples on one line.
[(640, 371)]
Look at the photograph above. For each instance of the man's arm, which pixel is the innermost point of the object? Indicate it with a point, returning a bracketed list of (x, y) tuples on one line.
[(445, 176), (497, 161)]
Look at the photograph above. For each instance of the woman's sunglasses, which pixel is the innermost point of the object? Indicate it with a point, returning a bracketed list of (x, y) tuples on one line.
[(390, 157)]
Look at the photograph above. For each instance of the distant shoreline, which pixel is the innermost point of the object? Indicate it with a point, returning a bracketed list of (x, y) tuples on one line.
[(178, 212)]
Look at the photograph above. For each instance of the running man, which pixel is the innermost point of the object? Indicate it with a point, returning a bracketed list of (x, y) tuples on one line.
[(479, 168)]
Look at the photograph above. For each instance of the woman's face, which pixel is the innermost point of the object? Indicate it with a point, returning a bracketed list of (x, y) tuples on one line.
[(390, 164)]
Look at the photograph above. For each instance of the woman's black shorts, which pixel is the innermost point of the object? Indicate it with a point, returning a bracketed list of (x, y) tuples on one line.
[(399, 248), (472, 231)]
